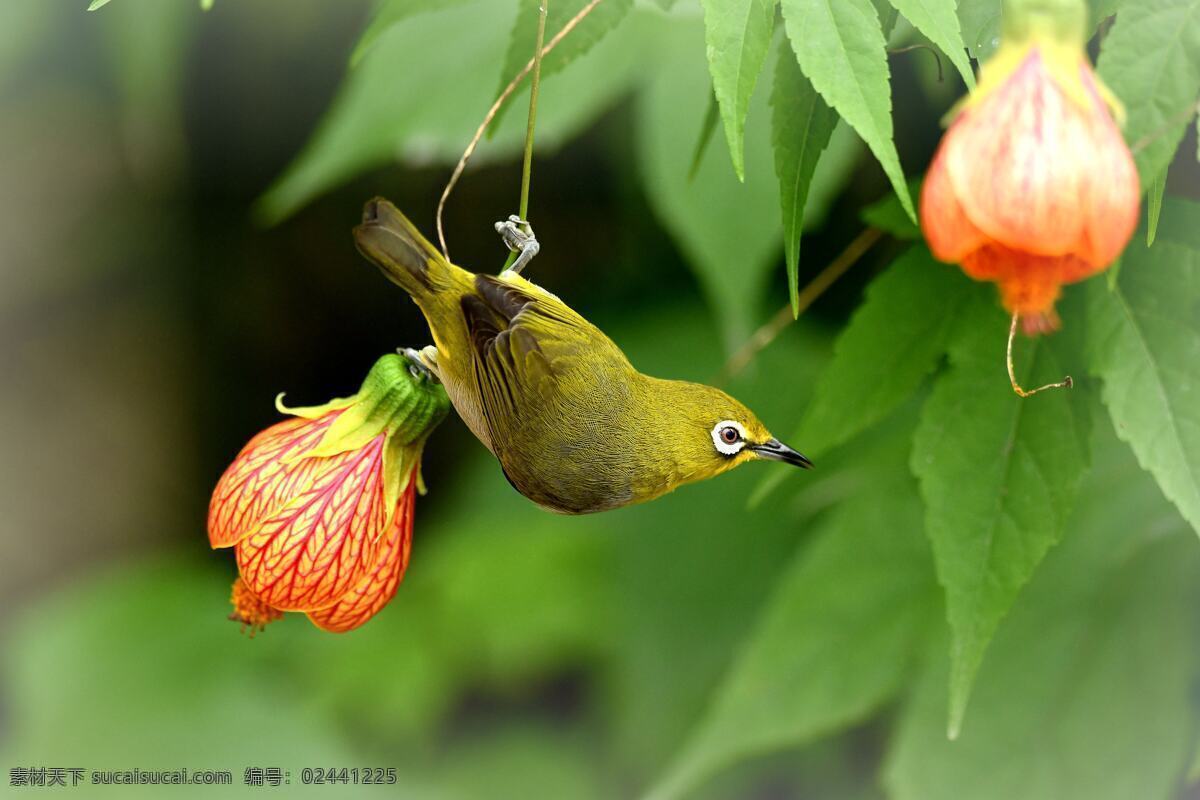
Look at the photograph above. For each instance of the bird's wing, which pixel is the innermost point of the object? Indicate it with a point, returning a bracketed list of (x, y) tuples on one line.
[(523, 340)]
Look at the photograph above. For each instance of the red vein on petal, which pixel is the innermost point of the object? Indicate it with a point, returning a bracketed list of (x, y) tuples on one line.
[(308, 553), (376, 589)]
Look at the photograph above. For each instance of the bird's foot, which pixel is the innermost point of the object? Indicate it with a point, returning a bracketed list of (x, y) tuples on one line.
[(422, 364), (518, 237)]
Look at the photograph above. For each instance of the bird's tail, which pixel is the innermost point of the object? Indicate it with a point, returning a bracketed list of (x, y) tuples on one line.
[(392, 243)]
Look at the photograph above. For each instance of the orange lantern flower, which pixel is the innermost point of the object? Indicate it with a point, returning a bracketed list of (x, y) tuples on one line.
[(1033, 185), (319, 508)]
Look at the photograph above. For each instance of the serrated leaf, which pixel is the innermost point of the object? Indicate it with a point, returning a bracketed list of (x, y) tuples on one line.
[(841, 49), (594, 27), (801, 127), (1151, 61), (737, 34), (1085, 691), (832, 643), (999, 475), (979, 21), (894, 340), (717, 221), (387, 111), (939, 22), (1154, 201), (1145, 335)]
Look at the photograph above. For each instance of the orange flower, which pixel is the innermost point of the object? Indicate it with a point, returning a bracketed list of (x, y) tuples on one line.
[(319, 508), (1033, 185)]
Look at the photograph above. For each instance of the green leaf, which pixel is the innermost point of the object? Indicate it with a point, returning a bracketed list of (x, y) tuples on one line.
[(718, 222), (1085, 692), (679, 625), (801, 126), (1145, 334), (388, 111), (888, 216), (1154, 201), (979, 21), (389, 13), (1151, 61), (738, 35), (999, 475), (894, 340), (97, 4), (594, 27), (840, 47), (1103, 9), (938, 21), (831, 645)]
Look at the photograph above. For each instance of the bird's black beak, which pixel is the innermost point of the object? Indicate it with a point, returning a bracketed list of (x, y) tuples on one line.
[(778, 451)]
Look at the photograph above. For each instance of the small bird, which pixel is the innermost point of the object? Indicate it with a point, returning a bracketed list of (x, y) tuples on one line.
[(575, 427)]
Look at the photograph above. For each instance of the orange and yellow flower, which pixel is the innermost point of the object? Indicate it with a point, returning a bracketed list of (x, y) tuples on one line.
[(1033, 185), (319, 508)]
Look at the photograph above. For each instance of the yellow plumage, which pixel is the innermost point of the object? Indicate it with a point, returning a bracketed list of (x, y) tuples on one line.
[(575, 427)]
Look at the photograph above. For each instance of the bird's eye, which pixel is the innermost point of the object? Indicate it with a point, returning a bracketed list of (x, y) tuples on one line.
[(729, 437)]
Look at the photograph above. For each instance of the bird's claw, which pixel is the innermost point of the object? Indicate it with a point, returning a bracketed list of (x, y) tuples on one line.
[(418, 366), (518, 237)]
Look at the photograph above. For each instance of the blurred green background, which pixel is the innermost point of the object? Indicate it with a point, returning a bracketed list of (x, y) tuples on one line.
[(149, 315)]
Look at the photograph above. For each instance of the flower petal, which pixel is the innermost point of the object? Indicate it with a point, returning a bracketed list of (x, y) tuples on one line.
[(1020, 160), (262, 477), (948, 231), (312, 550), (376, 589), (1110, 214)]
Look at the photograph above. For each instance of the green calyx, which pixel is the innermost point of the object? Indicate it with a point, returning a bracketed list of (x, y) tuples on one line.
[(1059, 21), (399, 400)]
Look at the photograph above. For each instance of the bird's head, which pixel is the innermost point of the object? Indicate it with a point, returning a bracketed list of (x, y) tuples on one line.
[(715, 433)]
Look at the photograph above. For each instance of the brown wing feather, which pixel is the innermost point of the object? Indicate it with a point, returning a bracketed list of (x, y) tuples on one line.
[(522, 343)]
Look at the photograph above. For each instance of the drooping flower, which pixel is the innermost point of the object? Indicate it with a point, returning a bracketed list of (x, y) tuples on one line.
[(1033, 185), (319, 507)]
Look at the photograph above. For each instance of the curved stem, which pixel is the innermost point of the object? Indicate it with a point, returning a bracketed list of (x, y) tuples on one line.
[(491, 114), (807, 296), (1065, 383), (535, 83), (921, 46)]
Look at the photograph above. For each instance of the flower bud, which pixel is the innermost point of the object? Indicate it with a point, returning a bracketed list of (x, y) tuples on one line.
[(1033, 185), (319, 508)]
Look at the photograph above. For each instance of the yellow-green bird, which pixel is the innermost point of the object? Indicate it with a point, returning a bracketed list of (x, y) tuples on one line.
[(575, 427)]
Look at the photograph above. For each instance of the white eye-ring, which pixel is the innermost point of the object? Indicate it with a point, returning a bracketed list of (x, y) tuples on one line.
[(729, 437)]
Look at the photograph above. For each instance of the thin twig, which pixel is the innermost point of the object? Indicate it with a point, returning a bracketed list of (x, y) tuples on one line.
[(1154, 135), (808, 295), (1065, 383), (921, 46), (535, 82), (487, 120)]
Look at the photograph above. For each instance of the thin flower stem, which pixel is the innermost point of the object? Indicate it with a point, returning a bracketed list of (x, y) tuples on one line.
[(1164, 129), (921, 46), (1065, 383), (535, 82), (807, 296), (491, 114)]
